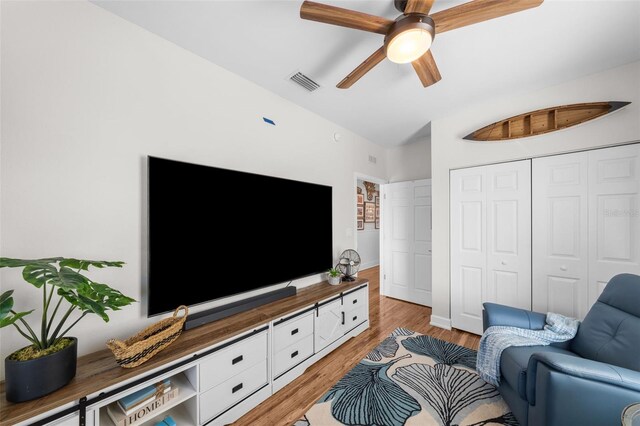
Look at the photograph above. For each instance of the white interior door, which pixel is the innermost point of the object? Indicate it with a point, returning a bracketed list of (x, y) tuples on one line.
[(509, 234), (490, 240), (468, 247), (406, 240), (560, 229), (614, 215)]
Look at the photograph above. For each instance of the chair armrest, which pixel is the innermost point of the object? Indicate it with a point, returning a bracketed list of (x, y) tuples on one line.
[(494, 314), (576, 366)]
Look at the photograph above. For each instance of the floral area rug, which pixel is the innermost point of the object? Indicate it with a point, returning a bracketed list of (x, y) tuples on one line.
[(414, 380)]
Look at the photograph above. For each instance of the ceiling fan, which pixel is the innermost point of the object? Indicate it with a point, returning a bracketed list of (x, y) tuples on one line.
[(408, 38)]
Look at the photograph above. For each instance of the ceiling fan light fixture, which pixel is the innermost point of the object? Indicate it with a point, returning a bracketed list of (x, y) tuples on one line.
[(409, 39)]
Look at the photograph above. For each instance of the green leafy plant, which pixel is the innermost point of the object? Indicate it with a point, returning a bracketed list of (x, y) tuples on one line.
[(334, 272), (61, 276)]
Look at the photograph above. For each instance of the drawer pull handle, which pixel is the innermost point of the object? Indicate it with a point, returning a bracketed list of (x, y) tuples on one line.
[(294, 331), (355, 318), (295, 354), (355, 301), (236, 388), (342, 317), (236, 360)]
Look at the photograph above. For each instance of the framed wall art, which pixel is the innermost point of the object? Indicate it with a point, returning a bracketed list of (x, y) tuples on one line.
[(360, 199), (377, 223), (360, 224), (360, 211), (378, 201), (377, 212), (369, 212)]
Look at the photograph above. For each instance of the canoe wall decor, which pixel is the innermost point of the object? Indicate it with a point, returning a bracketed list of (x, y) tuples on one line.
[(544, 121)]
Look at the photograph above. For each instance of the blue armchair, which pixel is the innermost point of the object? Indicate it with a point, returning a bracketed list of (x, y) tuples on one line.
[(586, 381)]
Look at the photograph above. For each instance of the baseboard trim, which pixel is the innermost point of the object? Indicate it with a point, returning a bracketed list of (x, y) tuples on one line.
[(441, 322)]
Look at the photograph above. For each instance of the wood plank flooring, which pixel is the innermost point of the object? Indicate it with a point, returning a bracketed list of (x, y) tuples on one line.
[(291, 402)]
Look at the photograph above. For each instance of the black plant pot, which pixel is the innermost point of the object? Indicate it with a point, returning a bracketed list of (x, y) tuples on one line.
[(27, 380)]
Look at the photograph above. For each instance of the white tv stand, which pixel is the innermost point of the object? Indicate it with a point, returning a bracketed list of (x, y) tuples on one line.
[(223, 369)]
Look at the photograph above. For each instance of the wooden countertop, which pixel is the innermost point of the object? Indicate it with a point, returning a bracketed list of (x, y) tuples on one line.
[(99, 370)]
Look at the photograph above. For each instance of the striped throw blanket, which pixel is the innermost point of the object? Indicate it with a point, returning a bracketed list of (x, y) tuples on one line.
[(496, 339)]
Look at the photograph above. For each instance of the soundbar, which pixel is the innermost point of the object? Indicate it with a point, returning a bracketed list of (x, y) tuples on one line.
[(219, 312)]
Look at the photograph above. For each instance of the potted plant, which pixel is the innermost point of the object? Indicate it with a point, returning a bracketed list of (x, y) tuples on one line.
[(334, 276), (49, 362)]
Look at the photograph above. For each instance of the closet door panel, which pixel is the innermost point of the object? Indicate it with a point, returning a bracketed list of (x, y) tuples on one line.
[(509, 234), (614, 215), (468, 247), (560, 228)]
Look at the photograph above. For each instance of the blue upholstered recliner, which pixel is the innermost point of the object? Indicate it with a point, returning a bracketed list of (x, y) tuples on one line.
[(586, 381)]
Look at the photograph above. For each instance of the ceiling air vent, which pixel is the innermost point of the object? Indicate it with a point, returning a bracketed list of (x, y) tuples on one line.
[(304, 81)]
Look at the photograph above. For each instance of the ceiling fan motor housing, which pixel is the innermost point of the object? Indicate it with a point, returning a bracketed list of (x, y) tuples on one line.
[(401, 5)]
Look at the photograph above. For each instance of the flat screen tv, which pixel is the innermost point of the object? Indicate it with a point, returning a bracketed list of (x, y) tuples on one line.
[(215, 232)]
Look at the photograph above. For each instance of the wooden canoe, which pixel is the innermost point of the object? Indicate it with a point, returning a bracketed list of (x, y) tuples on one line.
[(544, 121)]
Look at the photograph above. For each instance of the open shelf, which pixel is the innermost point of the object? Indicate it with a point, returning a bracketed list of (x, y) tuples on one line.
[(178, 408)]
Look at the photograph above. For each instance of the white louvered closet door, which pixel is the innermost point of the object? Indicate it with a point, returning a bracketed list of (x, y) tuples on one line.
[(490, 240), (614, 215), (560, 230)]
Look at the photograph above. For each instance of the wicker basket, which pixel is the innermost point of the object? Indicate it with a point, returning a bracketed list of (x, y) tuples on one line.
[(141, 347)]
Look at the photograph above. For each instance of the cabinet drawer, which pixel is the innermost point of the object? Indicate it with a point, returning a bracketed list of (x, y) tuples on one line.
[(234, 390), (355, 317), (355, 299), (292, 331), (232, 360), (292, 355)]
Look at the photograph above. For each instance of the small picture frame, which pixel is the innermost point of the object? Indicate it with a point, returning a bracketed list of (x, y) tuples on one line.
[(377, 212), (369, 212), (360, 223), (377, 223), (378, 201), (360, 199), (360, 212)]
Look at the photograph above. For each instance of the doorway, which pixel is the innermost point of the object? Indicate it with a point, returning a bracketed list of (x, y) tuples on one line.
[(368, 222)]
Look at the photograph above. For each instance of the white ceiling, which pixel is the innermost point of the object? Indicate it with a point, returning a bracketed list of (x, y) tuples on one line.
[(266, 41)]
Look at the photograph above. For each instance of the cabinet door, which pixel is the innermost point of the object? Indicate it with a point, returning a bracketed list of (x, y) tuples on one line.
[(509, 234), (560, 229), (329, 324), (468, 247), (614, 215)]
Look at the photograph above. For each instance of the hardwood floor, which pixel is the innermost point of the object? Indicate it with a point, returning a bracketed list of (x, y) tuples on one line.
[(386, 314)]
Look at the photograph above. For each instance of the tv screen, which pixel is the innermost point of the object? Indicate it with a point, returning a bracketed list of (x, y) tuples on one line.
[(214, 232)]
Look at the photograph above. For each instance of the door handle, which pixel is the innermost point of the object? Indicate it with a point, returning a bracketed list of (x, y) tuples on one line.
[(342, 317), (563, 268), (503, 263)]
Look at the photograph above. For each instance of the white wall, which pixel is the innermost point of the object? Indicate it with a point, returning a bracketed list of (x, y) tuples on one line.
[(450, 151), (410, 162), (369, 237), (86, 96)]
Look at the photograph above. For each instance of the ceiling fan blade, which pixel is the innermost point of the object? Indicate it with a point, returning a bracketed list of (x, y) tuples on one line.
[(427, 69), (418, 6), (344, 17), (362, 69), (478, 11)]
